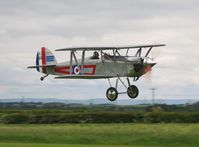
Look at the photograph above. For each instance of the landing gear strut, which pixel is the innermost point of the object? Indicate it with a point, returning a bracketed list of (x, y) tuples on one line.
[(42, 78), (112, 93)]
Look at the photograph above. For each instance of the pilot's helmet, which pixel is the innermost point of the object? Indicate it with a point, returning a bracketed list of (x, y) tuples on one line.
[(96, 54)]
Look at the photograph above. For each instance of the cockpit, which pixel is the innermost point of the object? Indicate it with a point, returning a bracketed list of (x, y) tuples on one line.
[(95, 55)]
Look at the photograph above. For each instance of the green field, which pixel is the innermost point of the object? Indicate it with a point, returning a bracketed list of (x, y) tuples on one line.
[(56, 145), (99, 135)]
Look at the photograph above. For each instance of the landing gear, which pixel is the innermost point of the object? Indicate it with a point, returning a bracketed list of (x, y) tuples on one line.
[(112, 93), (42, 78), (132, 91)]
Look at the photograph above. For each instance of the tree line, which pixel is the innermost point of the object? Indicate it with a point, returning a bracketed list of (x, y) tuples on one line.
[(73, 113)]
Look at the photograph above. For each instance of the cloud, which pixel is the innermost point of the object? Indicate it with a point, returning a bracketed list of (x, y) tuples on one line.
[(27, 25)]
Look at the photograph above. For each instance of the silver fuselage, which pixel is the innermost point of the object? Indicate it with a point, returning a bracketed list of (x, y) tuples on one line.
[(122, 66)]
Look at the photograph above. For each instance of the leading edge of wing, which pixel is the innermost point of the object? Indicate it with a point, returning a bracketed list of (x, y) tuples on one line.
[(109, 48), (85, 48), (83, 77)]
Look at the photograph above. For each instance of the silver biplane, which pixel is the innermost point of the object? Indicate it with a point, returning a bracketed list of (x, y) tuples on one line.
[(101, 65)]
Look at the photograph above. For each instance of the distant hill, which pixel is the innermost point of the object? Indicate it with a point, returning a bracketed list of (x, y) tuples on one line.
[(102, 101)]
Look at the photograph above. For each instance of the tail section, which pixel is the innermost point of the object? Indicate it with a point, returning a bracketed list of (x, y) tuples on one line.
[(44, 59)]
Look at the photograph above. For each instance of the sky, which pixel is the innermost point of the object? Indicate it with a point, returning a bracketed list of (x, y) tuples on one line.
[(26, 26)]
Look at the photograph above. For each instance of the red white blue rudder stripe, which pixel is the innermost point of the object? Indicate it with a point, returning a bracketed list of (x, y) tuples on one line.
[(44, 57)]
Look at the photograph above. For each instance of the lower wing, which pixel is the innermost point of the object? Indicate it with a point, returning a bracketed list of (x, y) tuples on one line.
[(84, 77)]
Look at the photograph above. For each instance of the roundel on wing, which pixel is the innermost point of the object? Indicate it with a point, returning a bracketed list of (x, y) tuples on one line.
[(76, 70)]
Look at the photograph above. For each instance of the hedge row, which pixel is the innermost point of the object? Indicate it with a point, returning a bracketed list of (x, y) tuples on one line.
[(151, 117)]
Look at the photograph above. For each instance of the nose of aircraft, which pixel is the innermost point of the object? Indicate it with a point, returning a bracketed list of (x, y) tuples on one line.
[(150, 62)]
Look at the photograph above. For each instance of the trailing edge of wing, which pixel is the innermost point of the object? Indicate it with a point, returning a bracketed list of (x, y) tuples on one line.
[(83, 77), (109, 48), (41, 66)]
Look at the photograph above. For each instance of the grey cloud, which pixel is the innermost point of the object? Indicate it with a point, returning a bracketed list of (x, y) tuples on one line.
[(27, 25), (73, 18)]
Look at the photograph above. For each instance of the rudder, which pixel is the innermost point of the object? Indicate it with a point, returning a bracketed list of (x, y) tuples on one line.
[(44, 57)]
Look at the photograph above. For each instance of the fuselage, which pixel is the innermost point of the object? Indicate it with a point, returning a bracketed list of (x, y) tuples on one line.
[(122, 66)]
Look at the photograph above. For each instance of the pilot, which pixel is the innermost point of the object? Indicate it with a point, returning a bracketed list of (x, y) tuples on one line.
[(95, 55)]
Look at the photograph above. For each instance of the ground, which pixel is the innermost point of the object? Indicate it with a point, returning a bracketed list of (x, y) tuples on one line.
[(99, 135)]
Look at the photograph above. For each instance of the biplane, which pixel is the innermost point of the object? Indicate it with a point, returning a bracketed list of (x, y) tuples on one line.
[(101, 65)]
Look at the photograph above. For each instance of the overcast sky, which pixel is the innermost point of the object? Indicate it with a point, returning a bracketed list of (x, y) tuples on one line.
[(26, 26)]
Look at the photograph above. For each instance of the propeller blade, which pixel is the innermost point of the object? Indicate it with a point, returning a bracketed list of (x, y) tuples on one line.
[(148, 74)]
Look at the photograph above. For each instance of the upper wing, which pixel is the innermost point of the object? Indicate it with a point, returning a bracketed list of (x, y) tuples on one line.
[(84, 77), (108, 48), (85, 48)]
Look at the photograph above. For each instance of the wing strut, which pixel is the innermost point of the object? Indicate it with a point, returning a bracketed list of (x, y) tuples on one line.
[(138, 53), (72, 55), (71, 61), (83, 57), (75, 59), (127, 51), (148, 51)]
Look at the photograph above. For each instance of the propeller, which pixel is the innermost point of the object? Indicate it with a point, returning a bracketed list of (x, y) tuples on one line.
[(145, 64), (148, 74), (149, 69)]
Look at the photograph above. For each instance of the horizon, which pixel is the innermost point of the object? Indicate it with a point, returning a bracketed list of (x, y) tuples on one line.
[(99, 101)]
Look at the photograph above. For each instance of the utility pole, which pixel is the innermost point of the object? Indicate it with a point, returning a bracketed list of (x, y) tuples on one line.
[(153, 95)]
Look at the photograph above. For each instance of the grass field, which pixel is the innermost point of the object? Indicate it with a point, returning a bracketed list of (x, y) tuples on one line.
[(99, 135), (56, 145)]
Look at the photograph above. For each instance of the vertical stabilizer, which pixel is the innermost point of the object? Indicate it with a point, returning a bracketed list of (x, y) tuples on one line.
[(44, 58)]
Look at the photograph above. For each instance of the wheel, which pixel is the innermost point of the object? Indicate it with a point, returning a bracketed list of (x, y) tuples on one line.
[(132, 91), (42, 78), (111, 94)]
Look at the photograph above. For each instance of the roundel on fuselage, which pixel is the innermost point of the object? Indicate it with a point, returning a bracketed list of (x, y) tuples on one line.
[(76, 69)]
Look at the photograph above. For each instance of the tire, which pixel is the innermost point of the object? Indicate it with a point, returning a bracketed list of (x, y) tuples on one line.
[(111, 94), (132, 91), (42, 78)]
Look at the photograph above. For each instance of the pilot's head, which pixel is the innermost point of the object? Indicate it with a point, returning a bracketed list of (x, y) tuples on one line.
[(96, 54)]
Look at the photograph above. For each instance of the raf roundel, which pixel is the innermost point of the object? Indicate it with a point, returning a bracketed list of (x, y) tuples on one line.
[(76, 70)]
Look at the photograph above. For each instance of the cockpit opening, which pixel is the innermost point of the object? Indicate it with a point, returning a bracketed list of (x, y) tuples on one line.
[(95, 55)]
